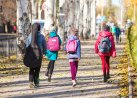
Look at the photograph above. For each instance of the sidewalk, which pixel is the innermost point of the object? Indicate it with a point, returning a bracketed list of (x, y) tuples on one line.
[(89, 75)]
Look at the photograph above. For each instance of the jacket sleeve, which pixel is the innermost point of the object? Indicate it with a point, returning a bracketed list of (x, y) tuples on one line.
[(96, 44), (113, 50), (44, 45), (79, 49)]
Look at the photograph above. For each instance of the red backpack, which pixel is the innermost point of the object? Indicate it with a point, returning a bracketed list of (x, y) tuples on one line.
[(53, 44), (71, 46)]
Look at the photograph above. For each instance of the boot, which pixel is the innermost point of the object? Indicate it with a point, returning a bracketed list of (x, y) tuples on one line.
[(46, 73), (108, 76), (49, 78), (105, 78)]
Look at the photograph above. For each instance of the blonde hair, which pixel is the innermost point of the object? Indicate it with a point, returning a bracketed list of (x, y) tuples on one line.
[(74, 31)]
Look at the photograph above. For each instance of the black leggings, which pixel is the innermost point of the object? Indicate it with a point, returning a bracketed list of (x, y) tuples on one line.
[(50, 67), (34, 75)]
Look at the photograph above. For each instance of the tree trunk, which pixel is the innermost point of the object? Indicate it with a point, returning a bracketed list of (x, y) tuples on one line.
[(33, 9), (39, 9), (49, 15), (85, 14), (23, 20), (81, 19), (93, 18)]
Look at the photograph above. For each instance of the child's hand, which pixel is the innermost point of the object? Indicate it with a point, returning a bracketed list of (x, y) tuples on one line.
[(114, 54)]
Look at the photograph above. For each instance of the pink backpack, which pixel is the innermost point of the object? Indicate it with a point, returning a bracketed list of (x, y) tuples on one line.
[(71, 46), (53, 44)]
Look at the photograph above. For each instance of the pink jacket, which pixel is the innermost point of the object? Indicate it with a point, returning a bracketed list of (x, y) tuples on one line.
[(112, 51)]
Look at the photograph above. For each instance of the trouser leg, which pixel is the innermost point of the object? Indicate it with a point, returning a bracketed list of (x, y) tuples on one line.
[(76, 68), (72, 70), (31, 74), (104, 67), (107, 66), (51, 66), (36, 75)]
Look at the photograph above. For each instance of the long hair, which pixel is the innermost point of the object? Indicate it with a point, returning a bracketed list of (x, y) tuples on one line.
[(35, 30), (34, 38)]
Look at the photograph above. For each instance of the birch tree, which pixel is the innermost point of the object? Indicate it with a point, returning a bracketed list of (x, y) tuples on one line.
[(33, 9), (61, 19), (81, 18), (85, 14), (93, 18), (24, 20), (49, 15)]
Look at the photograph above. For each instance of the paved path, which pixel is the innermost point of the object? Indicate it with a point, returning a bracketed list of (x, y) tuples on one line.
[(89, 75)]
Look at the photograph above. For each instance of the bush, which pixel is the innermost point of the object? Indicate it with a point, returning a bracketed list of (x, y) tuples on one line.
[(132, 43)]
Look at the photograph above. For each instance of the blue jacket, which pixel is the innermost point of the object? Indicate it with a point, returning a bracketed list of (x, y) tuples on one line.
[(78, 53), (117, 31), (41, 42), (52, 55)]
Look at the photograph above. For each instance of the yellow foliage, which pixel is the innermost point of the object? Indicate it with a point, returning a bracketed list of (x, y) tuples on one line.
[(130, 2)]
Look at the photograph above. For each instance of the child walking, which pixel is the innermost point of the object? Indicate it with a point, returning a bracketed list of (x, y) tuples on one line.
[(73, 48), (34, 54), (105, 47), (53, 46)]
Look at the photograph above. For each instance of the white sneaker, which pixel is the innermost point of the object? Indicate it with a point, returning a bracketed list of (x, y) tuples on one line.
[(74, 83)]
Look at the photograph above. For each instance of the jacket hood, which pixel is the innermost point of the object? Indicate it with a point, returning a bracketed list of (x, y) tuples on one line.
[(105, 33), (53, 34), (72, 37)]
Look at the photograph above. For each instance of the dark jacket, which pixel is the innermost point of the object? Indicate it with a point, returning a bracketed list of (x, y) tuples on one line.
[(41, 42)]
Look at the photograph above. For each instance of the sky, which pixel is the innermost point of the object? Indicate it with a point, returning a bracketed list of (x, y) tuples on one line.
[(116, 2)]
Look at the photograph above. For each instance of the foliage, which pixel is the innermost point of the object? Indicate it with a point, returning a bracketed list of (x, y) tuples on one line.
[(132, 38), (123, 73), (130, 5), (109, 12), (11, 66)]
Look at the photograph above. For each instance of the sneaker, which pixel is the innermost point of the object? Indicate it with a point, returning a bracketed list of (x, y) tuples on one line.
[(31, 85), (74, 83)]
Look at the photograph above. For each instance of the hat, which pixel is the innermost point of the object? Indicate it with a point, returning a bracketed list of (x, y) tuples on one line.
[(53, 28)]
